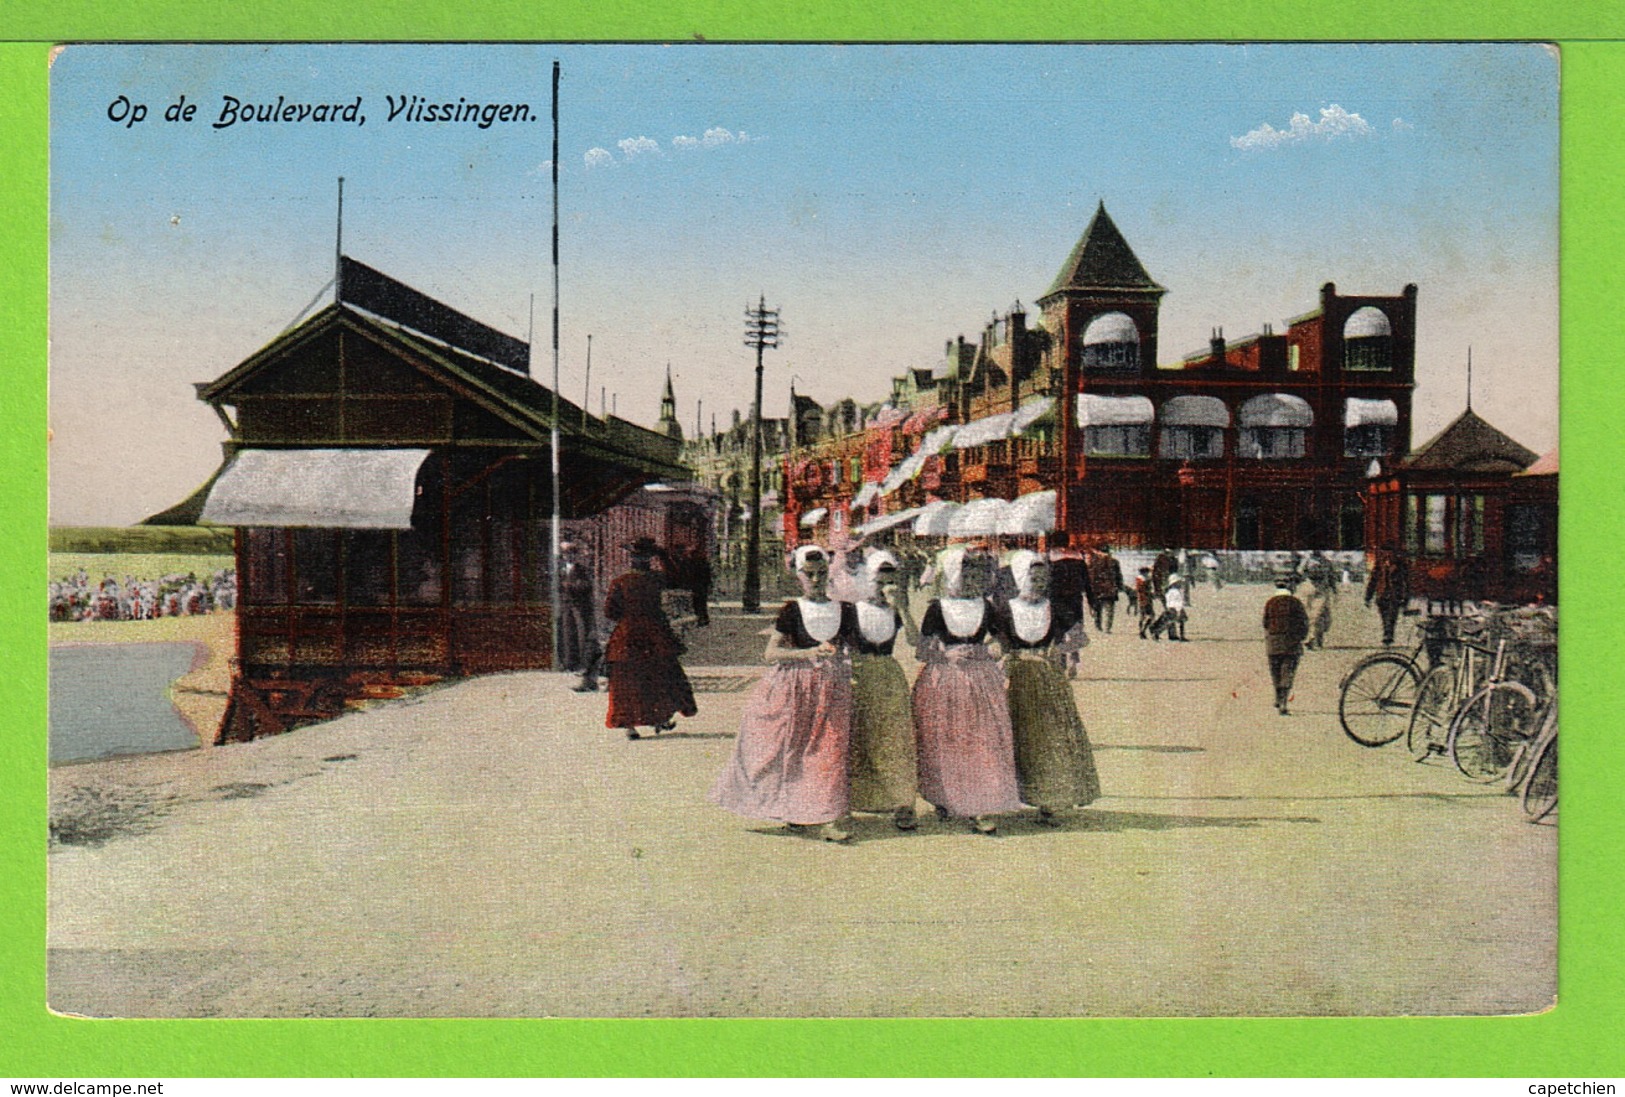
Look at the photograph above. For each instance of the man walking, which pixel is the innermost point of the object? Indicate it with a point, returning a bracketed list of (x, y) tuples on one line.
[(1286, 624), (1321, 578), (1389, 587), (578, 626), (1106, 581)]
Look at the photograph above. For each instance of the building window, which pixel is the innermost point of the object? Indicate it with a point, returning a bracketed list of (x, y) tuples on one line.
[(1274, 426), (265, 567), (316, 567), (1273, 443), (1118, 440), (1368, 341), (1370, 427), (1193, 443), (1193, 427), (854, 470), (1111, 343), (1451, 525), (834, 474), (1368, 441), (1526, 537), (1294, 356)]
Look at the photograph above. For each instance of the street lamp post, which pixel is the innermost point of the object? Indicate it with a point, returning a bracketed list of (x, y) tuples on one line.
[(761, 332)]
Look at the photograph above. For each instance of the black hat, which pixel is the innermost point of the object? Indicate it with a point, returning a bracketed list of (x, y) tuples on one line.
[(643, 546)]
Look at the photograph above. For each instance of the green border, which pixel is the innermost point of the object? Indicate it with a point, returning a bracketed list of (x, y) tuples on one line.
[(1579, 1039)]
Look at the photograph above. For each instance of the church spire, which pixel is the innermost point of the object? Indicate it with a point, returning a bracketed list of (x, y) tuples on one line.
[(669, 425)]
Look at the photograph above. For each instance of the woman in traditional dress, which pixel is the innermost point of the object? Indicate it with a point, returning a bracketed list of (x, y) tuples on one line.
[(1053, 759), (647, 686), (790, 760), (961, 714), (883, 761)]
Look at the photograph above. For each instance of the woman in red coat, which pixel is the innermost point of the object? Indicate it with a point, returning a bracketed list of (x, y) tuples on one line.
[(647, 686)]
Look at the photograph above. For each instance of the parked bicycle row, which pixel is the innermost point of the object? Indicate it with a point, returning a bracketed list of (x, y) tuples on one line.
[(1478, 688)]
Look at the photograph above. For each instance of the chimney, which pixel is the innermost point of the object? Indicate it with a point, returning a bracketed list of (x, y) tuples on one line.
[(1216, 346)]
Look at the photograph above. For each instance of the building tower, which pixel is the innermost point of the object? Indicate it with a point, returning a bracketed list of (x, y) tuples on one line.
[(668, 425), (1102, 310)]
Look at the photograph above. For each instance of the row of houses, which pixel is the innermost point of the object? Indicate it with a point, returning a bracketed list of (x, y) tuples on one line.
[(1067, 421)]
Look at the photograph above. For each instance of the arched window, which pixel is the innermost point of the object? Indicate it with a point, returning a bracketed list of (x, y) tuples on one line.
[(1369, 427), (1193, 428), (1368, 341), (1273, 426), (1111, 342), (1115, 426)]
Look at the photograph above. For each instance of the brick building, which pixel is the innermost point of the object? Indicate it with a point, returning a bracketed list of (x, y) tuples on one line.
[(1259, 443)]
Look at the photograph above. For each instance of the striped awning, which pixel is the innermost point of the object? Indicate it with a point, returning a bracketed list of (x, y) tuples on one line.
[(1095, 410), (888, 521), (1276, 409), (1194, 411), (978, 518), (320, 488), (934, 517), (1030, 513), (1359, 412)]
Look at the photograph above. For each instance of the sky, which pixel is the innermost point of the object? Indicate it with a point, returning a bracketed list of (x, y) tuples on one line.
[(885, 198)]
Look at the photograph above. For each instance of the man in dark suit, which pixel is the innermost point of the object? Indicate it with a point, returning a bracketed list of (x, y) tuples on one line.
[(1286, 624)]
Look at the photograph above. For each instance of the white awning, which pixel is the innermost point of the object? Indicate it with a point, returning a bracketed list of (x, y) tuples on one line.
[(888, 521), (1194, 411), (1276, 409), (934, 517), (814, 516), (979, 432), (1095, 410), (866, 495), (978, 518), (1030, 513), (936, 440), (326, 488), (1030, 413), (1358, 412)]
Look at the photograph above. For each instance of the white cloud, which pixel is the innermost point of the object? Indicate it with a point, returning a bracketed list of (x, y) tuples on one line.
[(715, 136), (1400, 125), (599, 158), (634, 147), (1334, 122), (684, 142)]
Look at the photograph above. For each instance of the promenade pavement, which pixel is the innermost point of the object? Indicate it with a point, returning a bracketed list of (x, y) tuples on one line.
[(488, 848)]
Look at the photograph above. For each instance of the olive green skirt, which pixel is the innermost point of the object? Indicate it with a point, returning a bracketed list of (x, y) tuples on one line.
[(1053, 758), (883, 766)]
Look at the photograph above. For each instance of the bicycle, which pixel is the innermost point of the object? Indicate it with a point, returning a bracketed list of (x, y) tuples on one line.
[(1443, 691), (1378, 695), (1537, 788), (1496, 720)]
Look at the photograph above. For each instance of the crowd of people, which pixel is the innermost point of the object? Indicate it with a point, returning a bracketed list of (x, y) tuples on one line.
[(988, 727), (76, 598)]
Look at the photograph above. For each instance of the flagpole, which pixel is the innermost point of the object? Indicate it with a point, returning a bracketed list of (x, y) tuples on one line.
[(553, 570)]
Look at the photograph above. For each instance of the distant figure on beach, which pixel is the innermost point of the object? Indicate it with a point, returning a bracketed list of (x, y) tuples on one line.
[(647, 686), (577, 642)]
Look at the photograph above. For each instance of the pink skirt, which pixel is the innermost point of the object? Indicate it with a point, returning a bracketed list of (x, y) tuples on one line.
[(962, 724), (790, 760)]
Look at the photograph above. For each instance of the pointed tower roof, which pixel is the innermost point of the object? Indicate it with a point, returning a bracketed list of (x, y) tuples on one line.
[(1471, 445), (668, 410), (1102, 260)]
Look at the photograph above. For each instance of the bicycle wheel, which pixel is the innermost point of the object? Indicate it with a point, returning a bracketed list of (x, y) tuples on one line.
[(1540, 791), (1377, 698), (1489, 727), (1430, 719), (1540, 786)]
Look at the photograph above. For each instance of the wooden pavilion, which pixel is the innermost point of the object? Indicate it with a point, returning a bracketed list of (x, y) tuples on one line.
[(388, 473)]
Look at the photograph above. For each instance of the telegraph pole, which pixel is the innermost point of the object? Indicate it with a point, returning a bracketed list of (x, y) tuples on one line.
[(761, 332)]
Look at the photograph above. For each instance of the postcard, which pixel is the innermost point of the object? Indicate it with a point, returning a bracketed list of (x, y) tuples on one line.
[(803, 531)]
